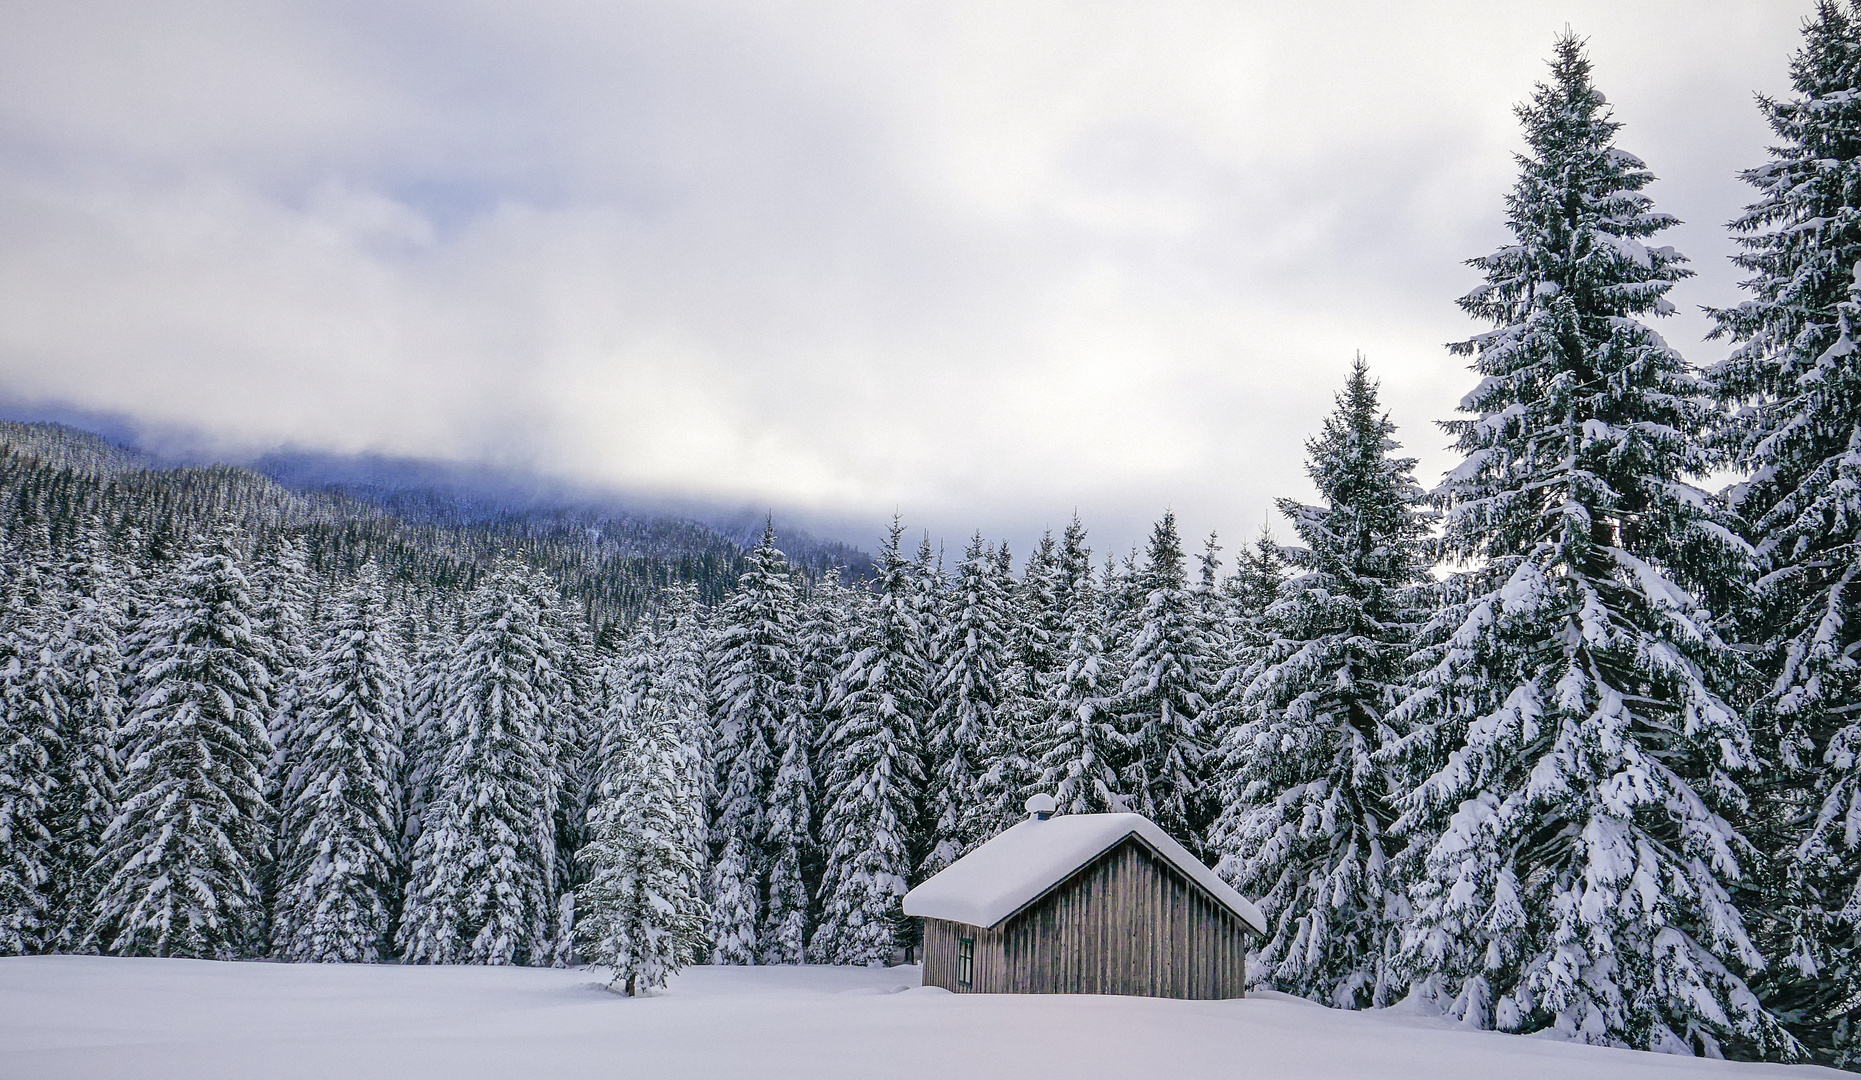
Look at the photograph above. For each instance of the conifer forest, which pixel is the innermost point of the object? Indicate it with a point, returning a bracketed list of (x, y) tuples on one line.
[(1568, 742)]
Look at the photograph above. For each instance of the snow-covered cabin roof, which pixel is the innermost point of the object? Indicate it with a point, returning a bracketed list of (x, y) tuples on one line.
[(1014, 869)]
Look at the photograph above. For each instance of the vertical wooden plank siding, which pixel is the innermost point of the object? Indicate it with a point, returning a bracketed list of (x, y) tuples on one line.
[(1127, 923), (990, 971)]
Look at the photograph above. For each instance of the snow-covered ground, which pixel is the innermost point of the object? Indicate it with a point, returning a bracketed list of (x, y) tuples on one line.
[(196, 1020)]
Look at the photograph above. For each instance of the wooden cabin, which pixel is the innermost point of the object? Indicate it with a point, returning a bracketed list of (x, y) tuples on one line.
[(1084, 904)]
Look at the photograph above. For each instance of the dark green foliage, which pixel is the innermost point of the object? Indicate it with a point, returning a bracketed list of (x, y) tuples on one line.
[(1164, 695), (1793, 382), (1306, 808), (1569, 753), (182, 861)]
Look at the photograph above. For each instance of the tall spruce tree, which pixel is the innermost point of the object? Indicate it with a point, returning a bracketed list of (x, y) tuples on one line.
[(1306, 807), (679, 688), (340, 854), (1572, 752), (284, 590), (876, 772), (424, 738), (1163, 696), (32, 721), (1011, 771), (754, 679), (968, 728), (1039, 634), (1076, 744), (184, 856), (568, 679), (87, 650), (789, 841), (1794, 381), (829, 613), (481, 888)]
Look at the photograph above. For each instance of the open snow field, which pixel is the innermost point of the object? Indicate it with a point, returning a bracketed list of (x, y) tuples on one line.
[(197, 1020)]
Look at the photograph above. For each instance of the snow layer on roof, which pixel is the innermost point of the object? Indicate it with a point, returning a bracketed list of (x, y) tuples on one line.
[(1000, 877)]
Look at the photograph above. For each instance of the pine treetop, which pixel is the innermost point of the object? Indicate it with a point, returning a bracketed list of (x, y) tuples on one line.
[(1583, 425)]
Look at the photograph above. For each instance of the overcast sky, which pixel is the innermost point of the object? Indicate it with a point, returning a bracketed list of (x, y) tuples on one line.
[(980, 263)]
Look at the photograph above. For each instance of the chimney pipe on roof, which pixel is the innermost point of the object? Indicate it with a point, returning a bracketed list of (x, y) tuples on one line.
[(1041, 806)]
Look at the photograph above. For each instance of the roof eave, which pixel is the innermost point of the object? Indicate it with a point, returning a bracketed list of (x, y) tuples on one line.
[(1133, 834)]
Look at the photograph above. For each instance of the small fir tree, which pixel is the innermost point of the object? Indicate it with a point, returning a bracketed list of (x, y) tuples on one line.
[(640, 913)]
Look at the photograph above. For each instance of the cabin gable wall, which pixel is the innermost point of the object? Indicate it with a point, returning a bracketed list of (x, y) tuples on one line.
[(1126, 923)]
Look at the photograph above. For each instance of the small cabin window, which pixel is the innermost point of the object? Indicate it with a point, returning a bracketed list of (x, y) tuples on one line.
[(965, 961)]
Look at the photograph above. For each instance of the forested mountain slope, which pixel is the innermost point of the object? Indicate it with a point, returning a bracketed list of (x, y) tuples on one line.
[(430, 525)]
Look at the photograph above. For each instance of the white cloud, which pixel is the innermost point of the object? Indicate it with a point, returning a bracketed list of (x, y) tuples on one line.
[(984, 263)]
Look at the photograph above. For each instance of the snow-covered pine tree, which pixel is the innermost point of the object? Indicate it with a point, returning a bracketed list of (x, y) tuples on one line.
[(1252, 589), (1163, 696), (1214, 605), (659, 670), (1223, 660), (568, 680), (339, 848), (828, 613), (1242, 632), (789, 840), (875, 772), (286, 595), (679, 687), (934, 600), (32, 722), (1794, 382), (628, 679), (640, 912), (1076, 744), (1011, 771), (424, 738), (1305, 807), (88, 652), (1121, 606), (1074, 590), (1570, 750), (790, 843), (190, 839), (968, 728), (1039, 635), (481, 888), (283, 588), (754, 680)]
